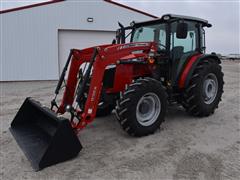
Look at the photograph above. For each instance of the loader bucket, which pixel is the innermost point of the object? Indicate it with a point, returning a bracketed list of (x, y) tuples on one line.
[(44, 138)]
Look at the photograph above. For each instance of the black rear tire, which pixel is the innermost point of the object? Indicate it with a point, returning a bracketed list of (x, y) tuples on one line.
[(195, 100), (128, 108)]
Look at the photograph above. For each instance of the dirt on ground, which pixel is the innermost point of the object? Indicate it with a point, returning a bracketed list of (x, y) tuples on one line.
[(184, 147)]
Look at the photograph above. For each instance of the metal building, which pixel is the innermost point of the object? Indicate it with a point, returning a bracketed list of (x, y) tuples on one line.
[(36, 39)]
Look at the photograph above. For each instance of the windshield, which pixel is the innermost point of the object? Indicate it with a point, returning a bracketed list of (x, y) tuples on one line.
[(151, 33)]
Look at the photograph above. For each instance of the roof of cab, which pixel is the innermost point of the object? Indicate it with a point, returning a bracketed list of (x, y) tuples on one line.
[(177, 17)]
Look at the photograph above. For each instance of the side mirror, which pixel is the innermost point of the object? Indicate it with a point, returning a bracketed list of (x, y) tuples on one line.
[(114, 41), (182, 30), (122, 33)]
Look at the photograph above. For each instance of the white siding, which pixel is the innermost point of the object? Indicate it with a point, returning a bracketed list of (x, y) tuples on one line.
[(68, 39), (29, 37)]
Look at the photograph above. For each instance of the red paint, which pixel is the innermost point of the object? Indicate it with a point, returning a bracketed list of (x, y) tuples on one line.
[(71, 84), (187, 69), (142, 70), (123, 75), (30, 6), (107, 54)]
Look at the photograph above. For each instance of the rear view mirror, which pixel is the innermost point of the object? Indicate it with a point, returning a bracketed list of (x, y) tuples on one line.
[(182, 30), (114, 41)]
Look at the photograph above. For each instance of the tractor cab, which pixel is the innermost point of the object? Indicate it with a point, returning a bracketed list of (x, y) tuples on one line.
[(177, 37)]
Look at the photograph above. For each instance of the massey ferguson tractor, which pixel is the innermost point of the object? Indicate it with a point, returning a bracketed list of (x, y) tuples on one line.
[(163, 63)]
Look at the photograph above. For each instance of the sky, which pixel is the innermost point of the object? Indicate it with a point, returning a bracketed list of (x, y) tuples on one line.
[(224, 15), (222, 38)]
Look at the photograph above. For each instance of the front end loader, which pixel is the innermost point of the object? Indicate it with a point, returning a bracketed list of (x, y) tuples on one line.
[(164, 63)]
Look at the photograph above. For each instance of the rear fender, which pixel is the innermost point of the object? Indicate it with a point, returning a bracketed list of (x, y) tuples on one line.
[(190, 67)]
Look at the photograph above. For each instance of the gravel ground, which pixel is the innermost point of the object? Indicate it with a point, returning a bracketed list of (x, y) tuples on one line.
[(184, 147)]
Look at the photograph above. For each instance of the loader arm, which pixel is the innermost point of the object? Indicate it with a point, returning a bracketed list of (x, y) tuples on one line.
[(105, 55)]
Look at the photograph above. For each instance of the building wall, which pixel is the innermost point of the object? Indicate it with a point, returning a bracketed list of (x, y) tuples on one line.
[(68, 39), (29, 37)]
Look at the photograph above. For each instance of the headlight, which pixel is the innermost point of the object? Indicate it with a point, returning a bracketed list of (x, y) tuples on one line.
[(151, 60), (68, 108), (151, 55)]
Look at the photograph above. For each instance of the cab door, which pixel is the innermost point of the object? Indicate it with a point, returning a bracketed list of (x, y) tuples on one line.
[(182, 46)]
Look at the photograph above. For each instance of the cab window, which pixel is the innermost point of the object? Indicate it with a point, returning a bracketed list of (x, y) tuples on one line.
[(190, 43), (151, 33)]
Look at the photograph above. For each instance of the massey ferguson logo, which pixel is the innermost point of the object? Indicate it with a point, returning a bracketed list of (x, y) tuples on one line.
[(133, 45)]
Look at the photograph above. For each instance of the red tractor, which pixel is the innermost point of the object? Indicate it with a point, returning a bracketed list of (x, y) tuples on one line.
[(164, 63)]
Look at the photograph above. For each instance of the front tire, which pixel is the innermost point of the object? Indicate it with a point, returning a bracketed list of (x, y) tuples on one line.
[(205, 89), (141, 108)]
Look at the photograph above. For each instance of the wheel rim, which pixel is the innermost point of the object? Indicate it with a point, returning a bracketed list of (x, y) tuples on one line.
[(148, 109), (210, 88)]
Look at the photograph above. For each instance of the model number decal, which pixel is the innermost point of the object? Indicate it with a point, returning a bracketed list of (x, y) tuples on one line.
[(94, 93)]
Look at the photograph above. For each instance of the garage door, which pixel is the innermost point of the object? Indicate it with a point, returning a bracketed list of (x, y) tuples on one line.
[(69, 39)]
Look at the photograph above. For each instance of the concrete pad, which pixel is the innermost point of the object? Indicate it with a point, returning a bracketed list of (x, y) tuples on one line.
[(184, 148)]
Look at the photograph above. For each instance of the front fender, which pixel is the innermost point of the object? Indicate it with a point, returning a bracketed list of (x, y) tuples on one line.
[(190, 67)]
